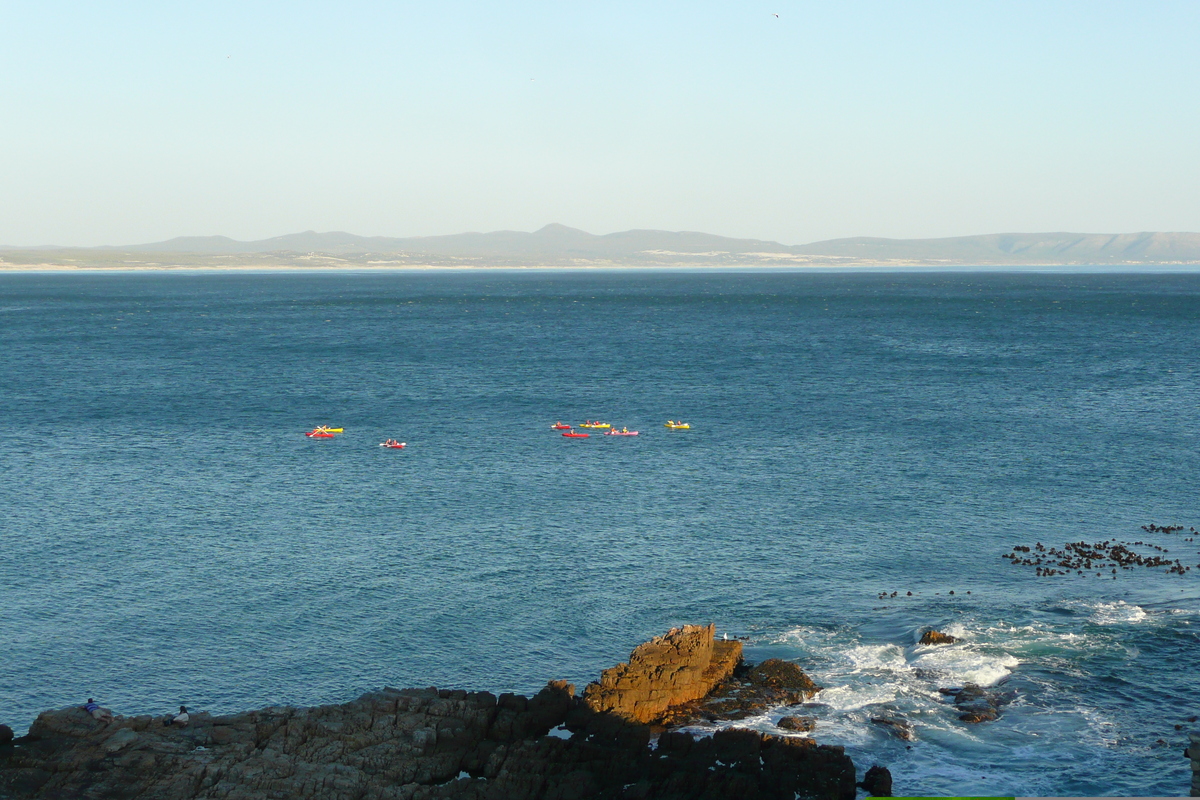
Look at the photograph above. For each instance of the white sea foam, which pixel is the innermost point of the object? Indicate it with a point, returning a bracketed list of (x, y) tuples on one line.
[(1046, 723), (877, 657), (967, 664), (801, 634), (851, 698), (957, 630), (1117, 613)]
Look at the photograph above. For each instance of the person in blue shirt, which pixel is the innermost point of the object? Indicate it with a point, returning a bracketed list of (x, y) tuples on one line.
[(101, 714)]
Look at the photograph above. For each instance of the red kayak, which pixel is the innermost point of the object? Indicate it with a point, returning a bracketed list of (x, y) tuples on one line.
[(319, 435), (571, 435), (393, 445), (558, 426)]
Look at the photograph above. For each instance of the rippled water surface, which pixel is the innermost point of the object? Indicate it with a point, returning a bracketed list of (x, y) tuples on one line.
[(169, 535)]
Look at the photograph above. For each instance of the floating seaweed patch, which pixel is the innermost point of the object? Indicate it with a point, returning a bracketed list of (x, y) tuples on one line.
[(1104, 558)]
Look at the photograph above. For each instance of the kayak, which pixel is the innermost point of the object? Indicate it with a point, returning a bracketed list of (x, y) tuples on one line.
[(594, 425), (396, 446), (571, 435), (620, 433), (319, 435), (560, 427), (677, 426)]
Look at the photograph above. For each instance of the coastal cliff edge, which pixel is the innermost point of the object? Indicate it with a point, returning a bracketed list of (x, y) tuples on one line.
[(616, 740)]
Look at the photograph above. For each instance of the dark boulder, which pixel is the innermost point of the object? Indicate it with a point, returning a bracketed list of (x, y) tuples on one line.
[(877, 782), (979, 704), (801, 724), (901, 728), (749, 691), (775, 673)]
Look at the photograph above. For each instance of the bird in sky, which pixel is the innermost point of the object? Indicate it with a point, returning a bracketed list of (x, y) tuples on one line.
[(776, 16)]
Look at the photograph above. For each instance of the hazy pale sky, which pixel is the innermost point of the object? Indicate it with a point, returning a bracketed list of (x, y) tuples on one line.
[(130, 122)]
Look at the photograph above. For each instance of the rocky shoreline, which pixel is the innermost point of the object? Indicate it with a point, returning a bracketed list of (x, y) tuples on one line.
[(619, 738)]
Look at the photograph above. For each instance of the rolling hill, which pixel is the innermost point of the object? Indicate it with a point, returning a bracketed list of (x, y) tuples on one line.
[(559, 245)]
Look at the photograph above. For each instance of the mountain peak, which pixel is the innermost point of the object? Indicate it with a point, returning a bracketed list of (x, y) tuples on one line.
[(556, 229)]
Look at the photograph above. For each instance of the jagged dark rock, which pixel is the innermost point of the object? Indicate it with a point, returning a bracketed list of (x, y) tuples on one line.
[(415, 744), (775, 673), (748, 691), (901, 728), (6, 734), (877, 782), (801, 724), (977, 703)]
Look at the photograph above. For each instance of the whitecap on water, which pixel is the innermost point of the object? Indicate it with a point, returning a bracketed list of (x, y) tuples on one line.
[(966, 664), (877, 657), (853, 697), (957, 630), (1117, 613)]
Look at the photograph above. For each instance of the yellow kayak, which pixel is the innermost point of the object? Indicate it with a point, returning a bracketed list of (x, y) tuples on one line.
[(330, 430), (677, 426), (595, 425)]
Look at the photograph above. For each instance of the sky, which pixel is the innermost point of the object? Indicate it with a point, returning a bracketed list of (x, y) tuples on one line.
[(792, 121)]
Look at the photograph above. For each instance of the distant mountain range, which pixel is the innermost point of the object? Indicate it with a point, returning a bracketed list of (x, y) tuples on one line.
[(558, 245)]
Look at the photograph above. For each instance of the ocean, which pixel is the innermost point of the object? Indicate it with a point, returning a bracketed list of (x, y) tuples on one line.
[(170, 536)]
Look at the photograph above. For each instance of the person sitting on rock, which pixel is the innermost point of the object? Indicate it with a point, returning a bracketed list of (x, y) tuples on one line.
[(102, 714), (179, 720)]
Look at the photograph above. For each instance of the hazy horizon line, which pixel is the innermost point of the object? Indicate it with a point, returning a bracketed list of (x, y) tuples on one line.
[(52, 246)]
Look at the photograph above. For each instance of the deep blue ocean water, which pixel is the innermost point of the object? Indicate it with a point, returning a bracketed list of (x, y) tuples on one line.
[(169, 536)]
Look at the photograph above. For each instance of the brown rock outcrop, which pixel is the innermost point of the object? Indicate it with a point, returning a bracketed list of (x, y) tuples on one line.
[(936, 637), (682, 666), (416, 744)]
